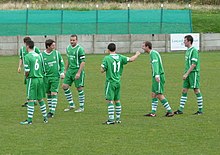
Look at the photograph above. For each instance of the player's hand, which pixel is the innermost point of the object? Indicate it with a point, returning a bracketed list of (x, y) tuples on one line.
[(157, 78), (77, 76), (138, 53), (19, 69), (185, 76), (62, 75)]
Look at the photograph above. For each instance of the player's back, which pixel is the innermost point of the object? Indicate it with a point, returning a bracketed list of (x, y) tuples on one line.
[(33, 64), (115, 63)]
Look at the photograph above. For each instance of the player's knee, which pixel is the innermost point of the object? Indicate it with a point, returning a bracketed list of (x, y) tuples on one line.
[(40, 100), (79, 88), (153, 95), (196, 91), (184, 90), (65, 86), (53, 93)]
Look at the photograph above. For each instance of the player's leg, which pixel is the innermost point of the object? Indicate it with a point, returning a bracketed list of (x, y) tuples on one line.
[(118, 106), (199, 101), (47, 85), (154, 105), (26, 102), (166, 105), (195, 80), (49, 101), (109, 95), (183, 99), (40, 96), (81, 96), (31, 96), (30, 112), (162, 98), (54, 91), (68, 80), (53, 105), (43, 110), (79, 84)]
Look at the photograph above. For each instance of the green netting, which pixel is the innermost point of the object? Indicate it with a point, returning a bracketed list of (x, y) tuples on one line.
[(52, 22)]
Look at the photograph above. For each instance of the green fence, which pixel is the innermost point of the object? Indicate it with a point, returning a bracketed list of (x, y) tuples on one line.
[(53, 22)]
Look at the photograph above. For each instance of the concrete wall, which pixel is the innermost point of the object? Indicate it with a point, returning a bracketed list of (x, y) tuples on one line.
[(9, 45)]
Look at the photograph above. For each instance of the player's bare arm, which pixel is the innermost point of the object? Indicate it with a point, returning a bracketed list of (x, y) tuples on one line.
[(102, 70), (26, 74), (134, 57), (189, 71), (66, 67), (157, 78), (19, 65), (62, 75), (82, 65)]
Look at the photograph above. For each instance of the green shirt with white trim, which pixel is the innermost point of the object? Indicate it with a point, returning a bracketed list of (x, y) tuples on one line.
[(75, 55), (156, 63), (192, 57), (53, 63)]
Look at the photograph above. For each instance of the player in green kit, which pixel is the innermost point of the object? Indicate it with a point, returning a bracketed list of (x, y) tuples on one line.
[(22, 52), (35, 85), (191, 77), (54, 70), (74, 73), (158, 81), (112, 65)]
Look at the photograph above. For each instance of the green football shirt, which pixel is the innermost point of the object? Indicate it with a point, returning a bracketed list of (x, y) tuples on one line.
[(113, 66), (53, 63), (156, 63), (75, 56), (33, 64), (192, 57)]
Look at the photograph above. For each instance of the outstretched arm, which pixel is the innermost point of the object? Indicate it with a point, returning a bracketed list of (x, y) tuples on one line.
[(134, 57)]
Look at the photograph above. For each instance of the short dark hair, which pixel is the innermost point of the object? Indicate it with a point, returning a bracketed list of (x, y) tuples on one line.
[(30, 44), (149, 44), (49, 42), (112, 47), (74, 35), (26, 39), (189, 38)]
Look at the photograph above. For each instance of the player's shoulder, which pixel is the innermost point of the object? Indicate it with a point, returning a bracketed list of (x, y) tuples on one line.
[(68, 47), (194, 49), (80, 48), (22, 47)]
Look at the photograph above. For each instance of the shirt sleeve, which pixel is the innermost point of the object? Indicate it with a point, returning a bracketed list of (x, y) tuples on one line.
[(125, 59), (20, 53), (26, 64), (194, 57), (104, 64), (61, 62), (155, 64), (82, 56), (37, 50)]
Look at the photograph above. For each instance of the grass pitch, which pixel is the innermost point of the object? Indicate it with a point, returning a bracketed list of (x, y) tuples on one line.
[(83, 133)]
